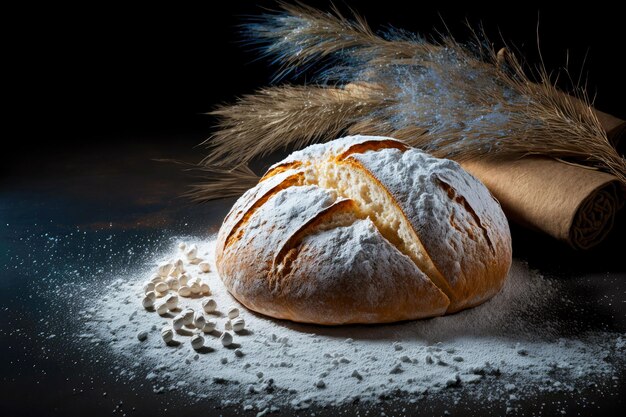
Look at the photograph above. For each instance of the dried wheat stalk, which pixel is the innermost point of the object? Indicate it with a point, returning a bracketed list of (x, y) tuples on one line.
[(452, 100), (280, 117)]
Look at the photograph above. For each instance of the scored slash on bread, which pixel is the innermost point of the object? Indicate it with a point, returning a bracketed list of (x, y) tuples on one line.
[(340, 213), (364, 230), (251, 203)]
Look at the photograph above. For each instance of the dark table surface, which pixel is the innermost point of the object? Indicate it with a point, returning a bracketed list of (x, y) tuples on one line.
[(56, 210)]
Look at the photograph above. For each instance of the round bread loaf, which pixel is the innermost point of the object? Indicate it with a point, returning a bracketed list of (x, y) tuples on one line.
[(364, 229)]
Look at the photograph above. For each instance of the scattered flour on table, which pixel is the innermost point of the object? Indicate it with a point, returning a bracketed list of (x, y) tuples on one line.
[(513, 345)]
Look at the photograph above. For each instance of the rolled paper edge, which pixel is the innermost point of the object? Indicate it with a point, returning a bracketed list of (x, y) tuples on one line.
[(595, 216), (561, 200)]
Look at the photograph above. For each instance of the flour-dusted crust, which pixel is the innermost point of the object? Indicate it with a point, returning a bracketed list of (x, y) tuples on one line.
[(460, 225), (364, 230)]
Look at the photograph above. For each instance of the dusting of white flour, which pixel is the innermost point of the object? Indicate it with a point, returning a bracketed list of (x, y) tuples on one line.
[(508, 347)]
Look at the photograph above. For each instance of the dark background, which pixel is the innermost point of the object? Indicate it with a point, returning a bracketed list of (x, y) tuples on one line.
[(95, 94), (84, 78)]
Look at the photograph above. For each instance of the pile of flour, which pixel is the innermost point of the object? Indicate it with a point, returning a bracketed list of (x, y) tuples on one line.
[(509, 347)]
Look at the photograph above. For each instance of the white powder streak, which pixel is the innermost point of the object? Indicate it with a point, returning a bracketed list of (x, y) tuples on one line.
[(511, 343)]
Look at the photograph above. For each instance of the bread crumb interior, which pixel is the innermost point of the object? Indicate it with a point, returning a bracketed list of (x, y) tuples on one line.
[(351, 181)]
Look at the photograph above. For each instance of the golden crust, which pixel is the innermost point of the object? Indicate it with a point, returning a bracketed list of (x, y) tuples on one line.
[(293, 250)]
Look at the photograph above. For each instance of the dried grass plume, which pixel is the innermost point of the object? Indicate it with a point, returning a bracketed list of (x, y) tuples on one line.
[(452, 100)]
